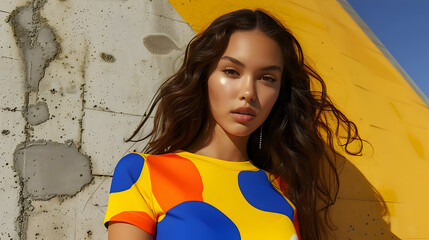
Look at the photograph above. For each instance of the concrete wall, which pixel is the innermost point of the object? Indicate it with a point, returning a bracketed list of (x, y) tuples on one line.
[(76, 77)]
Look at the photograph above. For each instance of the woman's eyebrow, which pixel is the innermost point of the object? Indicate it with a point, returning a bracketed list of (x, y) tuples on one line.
[(273, 67)]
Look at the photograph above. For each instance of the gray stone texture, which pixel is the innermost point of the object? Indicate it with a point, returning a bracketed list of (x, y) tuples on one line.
[(76, 78)]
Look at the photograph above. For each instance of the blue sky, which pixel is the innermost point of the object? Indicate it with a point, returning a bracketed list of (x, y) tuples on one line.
[(403, 28)]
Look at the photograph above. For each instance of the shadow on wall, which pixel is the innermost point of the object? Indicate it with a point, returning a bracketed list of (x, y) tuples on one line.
[(360, 212)]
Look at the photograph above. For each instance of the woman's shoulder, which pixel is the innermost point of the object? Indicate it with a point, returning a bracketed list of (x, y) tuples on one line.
[(127, 172), (135, 161), (131, 161)]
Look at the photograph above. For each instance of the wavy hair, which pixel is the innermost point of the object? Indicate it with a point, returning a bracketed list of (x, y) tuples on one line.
[(298, 136)]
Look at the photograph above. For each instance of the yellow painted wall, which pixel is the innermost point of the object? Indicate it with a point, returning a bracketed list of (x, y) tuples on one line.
[(369, 90)]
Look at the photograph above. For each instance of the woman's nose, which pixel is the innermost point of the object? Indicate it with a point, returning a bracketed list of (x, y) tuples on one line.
[(247, 89)]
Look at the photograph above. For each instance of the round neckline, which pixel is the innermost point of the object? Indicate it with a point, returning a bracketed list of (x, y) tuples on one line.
[(242, 165)]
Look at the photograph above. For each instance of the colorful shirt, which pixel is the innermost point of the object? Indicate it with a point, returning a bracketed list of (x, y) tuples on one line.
[(189, 196)]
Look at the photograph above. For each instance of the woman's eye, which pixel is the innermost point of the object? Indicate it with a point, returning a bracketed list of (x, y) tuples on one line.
[(268, 78), (230, 72)]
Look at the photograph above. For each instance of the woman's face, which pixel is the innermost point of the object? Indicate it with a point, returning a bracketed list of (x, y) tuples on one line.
[(245, 84)]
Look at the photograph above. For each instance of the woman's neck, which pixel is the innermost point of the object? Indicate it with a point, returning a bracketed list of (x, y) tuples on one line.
[(216, 143)]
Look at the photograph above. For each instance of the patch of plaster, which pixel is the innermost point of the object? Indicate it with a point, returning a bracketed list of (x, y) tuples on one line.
[(36, 40), (49, 169), (159, 44), (108, 57), (37, 113)]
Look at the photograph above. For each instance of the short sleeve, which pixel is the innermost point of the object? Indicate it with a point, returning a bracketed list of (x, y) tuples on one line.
[(130, 197)]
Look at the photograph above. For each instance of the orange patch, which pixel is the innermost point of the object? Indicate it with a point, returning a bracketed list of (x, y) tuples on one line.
[(174, 180), (136, 218)]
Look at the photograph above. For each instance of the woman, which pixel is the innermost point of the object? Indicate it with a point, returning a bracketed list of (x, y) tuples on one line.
[(241, 146)]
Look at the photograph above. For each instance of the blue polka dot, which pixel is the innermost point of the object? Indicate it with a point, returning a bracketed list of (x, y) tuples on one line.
[(195, 220), (127, 172), (261, 194)]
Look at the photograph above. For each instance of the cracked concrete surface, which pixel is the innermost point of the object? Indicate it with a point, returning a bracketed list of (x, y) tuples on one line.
[(77, 79)]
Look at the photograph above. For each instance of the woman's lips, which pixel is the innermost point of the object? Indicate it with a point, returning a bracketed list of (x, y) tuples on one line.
[(242, 118), (243, 114)]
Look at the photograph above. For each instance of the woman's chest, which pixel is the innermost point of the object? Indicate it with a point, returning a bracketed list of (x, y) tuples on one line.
[(206, 203)]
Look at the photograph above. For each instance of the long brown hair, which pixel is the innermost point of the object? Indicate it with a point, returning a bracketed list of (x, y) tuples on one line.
[(298, 135)]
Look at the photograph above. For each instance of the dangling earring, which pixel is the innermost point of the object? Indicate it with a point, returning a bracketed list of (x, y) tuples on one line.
[(260, 138)]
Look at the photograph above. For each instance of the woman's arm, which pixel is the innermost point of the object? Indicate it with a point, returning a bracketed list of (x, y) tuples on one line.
[(119, 231)]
